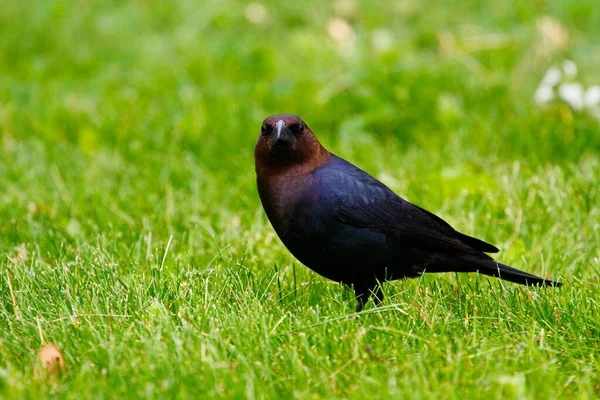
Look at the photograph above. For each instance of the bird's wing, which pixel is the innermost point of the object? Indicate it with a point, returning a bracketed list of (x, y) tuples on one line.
[(363, 201)]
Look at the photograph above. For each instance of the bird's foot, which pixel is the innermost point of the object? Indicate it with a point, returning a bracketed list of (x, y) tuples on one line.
[(364, 292)]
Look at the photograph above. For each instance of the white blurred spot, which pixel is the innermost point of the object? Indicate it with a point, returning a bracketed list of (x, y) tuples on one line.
[(570, 69), (346, 8), (514, 384), (339, 29), (256, 13), (382, 40), (544, 94), (552, 77), (592, 97), (572, 94)]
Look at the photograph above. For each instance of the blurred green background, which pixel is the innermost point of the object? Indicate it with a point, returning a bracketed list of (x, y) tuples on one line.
[(127, 131), (123, 93)]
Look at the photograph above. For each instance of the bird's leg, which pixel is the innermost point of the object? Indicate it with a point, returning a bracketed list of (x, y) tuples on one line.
[(361, 299), (364, 291), (377, 294)]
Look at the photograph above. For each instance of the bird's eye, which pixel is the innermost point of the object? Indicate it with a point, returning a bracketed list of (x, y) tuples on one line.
[(263, 128), (300, 127)]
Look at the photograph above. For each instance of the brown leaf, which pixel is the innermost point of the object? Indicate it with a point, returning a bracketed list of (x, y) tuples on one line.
[(50, 364)]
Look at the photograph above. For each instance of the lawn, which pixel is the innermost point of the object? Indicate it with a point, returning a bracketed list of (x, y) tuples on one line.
[(132, 236)]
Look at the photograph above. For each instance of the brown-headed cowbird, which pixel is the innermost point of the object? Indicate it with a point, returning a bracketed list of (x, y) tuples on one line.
[(347, 226)]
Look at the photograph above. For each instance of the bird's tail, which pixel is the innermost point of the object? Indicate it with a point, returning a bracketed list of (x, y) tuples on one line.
[(490, 267)]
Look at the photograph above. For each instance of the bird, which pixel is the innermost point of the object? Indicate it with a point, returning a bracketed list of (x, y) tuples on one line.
[(349, 227)]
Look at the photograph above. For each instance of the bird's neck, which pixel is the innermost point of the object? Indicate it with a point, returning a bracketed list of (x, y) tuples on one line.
[(270, 166)]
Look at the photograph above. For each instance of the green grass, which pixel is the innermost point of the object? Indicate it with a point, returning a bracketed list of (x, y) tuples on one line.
[(131, 234)]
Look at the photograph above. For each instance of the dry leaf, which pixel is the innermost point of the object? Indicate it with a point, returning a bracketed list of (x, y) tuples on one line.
[(50, 364), (554, 37)]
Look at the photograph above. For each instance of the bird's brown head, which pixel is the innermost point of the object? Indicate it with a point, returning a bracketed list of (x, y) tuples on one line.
[(286, 141)]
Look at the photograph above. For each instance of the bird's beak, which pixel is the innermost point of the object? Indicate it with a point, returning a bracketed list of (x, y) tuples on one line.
[(281, 135)]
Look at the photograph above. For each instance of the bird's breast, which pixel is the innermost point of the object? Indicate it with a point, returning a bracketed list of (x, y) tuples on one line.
[(289, 203)]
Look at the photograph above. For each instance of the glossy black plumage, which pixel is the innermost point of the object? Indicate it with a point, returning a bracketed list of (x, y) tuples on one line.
[(349, 227)]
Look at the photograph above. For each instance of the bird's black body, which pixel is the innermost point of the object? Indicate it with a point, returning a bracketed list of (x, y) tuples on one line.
[(349, 227)]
